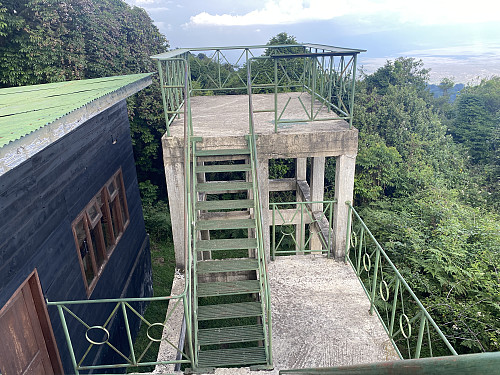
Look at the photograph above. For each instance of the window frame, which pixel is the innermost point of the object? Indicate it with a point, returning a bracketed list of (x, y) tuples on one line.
[(117, 203)]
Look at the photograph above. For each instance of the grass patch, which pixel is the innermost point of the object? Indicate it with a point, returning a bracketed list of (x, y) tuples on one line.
[(163, 264)]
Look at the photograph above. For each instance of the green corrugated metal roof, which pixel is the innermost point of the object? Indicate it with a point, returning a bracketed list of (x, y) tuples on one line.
[(29, 108)]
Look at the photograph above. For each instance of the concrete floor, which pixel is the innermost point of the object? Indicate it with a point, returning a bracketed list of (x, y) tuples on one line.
[(320, 317), (214, 115)]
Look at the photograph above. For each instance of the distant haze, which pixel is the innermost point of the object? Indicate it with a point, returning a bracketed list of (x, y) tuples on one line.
[(454, 38)]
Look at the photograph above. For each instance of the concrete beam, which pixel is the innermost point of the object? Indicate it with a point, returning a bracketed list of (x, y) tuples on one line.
[(283, 184)]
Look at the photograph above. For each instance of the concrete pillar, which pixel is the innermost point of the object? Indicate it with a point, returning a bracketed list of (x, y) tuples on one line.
[(300, 175), (174, 174), (263, 175), (344, 189), (317, 194)]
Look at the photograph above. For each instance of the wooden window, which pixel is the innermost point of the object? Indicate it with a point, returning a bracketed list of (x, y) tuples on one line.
[(99, 227)]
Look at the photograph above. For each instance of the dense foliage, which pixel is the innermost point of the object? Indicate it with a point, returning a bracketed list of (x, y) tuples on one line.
[(427, 184), (44, 41)]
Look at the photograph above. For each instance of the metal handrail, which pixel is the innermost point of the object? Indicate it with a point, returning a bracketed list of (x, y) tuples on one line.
[(384, 290), (263, 277), (465, 364)]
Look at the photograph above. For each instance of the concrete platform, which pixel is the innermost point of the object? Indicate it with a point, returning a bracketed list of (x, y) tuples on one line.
[(223, 121), (211, 114), (320, 317)]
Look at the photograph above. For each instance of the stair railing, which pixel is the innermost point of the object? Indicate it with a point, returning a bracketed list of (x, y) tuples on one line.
[(262, 259)]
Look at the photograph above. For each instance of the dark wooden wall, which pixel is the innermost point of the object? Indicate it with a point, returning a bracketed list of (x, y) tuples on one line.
[(38, 202)]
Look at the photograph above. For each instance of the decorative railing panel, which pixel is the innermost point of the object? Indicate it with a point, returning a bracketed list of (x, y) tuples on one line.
[(410, 327), (294, 225)]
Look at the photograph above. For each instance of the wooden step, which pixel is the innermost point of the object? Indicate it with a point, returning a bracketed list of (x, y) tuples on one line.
[(229, 288), (226, 244), (227, 265), (215, 187), (229, 311), (230, 357), (225, 224), (223, 152), (228, 335), (225, 204), (223, 168)]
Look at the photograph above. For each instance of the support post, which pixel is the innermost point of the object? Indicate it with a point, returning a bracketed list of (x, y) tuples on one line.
[(174, 174), (344, 188), (317, 194), (300, 229)]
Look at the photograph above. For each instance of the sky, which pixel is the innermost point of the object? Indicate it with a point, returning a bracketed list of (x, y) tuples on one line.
[(455, 38)]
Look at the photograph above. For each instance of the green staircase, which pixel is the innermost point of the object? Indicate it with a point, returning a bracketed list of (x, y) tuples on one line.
[(230, 300)]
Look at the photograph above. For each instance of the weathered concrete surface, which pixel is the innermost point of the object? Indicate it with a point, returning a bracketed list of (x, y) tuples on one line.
[(320, 317), (222, 121), (172, 330)]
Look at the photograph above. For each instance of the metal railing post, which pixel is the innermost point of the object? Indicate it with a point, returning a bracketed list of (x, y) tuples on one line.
[(348, 231), (129, 336), (423, 320), (375, 273), (353, 90), (68, 339), (394, 304)]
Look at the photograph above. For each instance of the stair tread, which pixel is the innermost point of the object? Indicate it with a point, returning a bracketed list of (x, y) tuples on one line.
[(222, 152), (228, 288), (223, 186), (230, 265), (229, 310), (227, 357), (226, 244), (225, 204), (223, 168), (227, 335), (225, 224)]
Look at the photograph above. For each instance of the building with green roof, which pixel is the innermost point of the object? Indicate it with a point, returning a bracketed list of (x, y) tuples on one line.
[(72, 225)]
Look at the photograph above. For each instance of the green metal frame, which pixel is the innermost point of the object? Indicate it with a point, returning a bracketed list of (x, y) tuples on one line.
[(387, 290), (301, 240), (327, 76)]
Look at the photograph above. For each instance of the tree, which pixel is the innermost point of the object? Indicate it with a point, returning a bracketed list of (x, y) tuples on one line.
[(45, 41), (404, 71)]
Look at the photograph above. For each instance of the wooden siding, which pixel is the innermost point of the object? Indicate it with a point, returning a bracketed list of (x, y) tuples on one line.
[(41, 197)]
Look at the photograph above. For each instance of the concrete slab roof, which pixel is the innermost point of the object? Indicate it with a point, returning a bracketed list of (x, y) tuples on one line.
[(32, 117)]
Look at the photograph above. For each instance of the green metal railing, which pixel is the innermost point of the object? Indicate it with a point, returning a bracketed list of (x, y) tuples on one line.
[(466, 364), (391, 298), (97, 335), (124, 305), (291, 227), (324, 77), (261, 256)]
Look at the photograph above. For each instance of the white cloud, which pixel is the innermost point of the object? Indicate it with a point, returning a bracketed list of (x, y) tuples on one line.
[(423, 12)]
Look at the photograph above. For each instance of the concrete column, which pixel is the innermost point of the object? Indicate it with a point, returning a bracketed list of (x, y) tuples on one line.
[(263, 175), (317, 194), (300, 175), (174, 174), (344, 189)]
